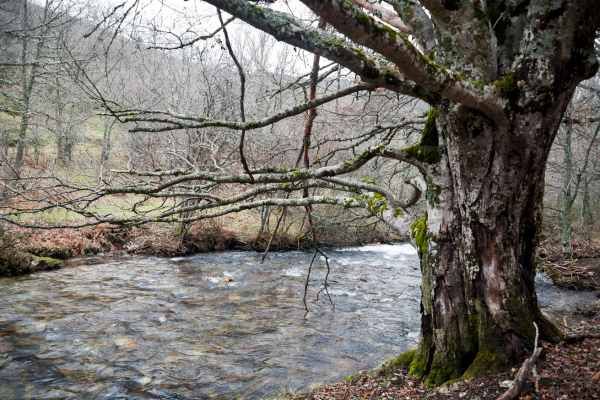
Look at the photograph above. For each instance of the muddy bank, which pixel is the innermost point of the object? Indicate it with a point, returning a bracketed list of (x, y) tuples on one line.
[(160, 241), (28, 251)]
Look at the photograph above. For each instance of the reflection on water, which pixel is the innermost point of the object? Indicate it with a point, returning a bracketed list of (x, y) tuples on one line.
[(211, 326)]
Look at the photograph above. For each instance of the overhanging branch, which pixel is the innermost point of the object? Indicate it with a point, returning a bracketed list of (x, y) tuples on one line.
[(172, 121), (373, 70)]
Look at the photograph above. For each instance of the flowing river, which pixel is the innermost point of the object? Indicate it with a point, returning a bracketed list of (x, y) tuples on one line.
[(212, 326)]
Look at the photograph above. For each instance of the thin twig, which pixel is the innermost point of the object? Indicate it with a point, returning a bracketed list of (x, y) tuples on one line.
[(183, 44), (306, 283), (305, 156), (279, 219), (325, 286)]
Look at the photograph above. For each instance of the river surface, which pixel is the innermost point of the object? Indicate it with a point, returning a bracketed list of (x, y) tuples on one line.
[(213, 326)]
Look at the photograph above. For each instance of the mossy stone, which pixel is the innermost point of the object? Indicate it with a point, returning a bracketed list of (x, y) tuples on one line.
[(46, 263)]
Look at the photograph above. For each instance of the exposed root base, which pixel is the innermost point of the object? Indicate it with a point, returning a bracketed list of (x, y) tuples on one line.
[(442, 369)]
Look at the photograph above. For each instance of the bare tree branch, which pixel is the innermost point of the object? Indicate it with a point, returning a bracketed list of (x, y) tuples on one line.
[(176, 121), (191, 42)]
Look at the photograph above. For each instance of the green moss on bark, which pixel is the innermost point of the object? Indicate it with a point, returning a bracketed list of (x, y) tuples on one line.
[(418, 365), (369, 24), (442, 370), (507, 86), (427, 150), (485, 362), (418, 231), (426, 154), (430, 135)]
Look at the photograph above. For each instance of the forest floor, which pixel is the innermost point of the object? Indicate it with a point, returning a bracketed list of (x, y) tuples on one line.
[(568, 370)]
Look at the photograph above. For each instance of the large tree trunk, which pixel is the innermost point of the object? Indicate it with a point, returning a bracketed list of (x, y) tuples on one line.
[(477, 242)]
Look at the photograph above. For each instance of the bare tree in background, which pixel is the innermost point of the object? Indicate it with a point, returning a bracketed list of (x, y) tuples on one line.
[(573, 159), (29, 69)]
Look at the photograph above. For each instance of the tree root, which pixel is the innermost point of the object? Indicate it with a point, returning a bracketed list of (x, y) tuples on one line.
[(524, 372), (578, 337)]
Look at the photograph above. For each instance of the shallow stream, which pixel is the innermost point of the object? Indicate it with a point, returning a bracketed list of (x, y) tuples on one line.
[(219, 325)]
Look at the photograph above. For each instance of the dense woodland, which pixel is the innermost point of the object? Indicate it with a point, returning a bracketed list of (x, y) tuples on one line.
[(175, 127)]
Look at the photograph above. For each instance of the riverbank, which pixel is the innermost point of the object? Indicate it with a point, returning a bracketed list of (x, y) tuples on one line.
[(34, 250), (15, 262), (580, 272), (568, 370), (165, 241), (31, 250)]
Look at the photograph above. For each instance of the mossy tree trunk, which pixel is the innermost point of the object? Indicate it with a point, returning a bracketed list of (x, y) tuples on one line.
[(477, 243), (29, 75)]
